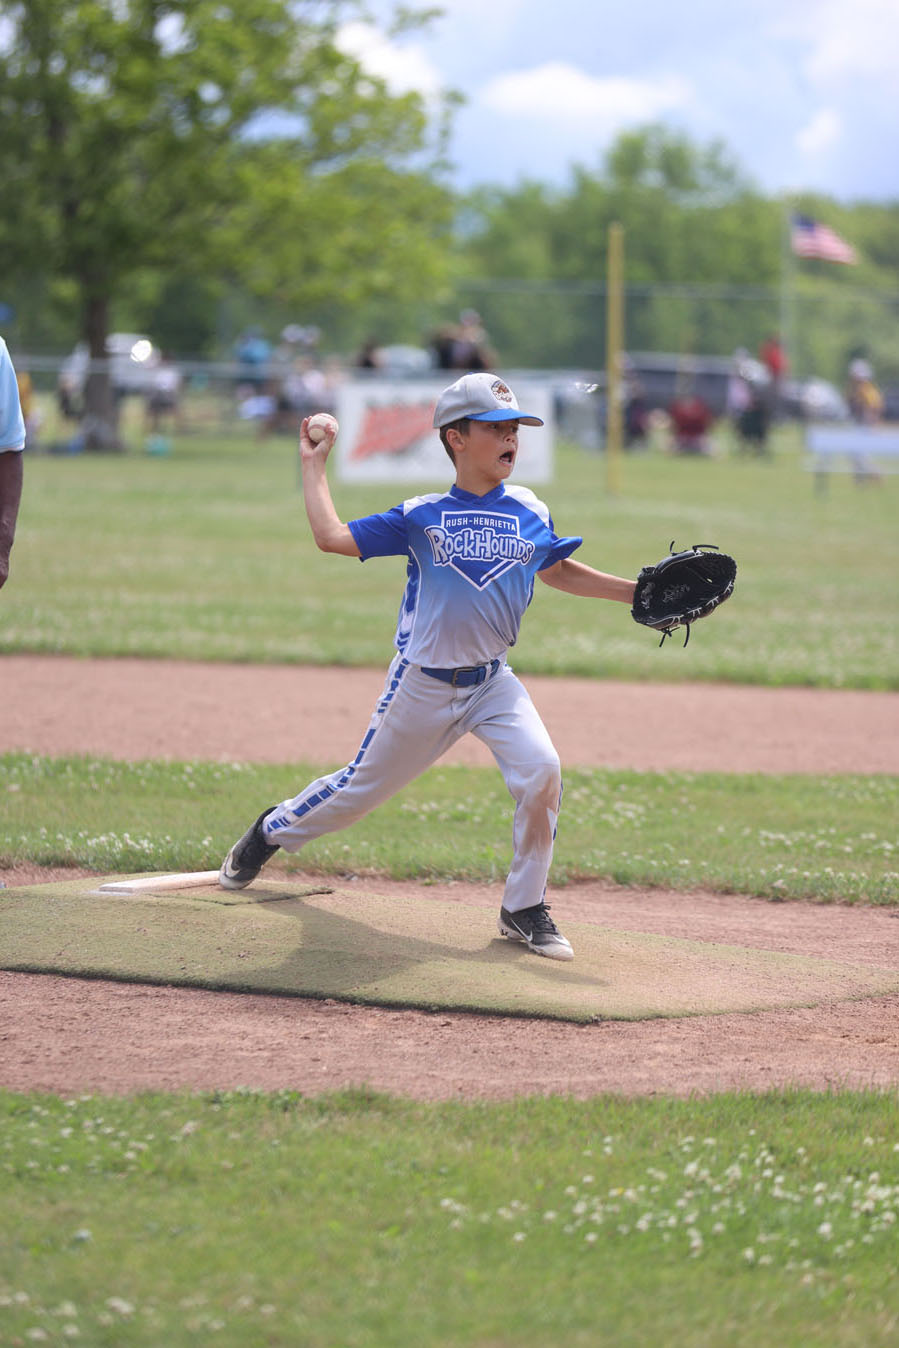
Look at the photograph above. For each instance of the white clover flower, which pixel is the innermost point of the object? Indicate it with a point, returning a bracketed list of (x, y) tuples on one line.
[(825, 1230), (120, 1305)]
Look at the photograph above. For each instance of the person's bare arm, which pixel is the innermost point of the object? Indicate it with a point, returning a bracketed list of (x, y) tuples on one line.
[(577, 578), (10, 495), (328, 530)]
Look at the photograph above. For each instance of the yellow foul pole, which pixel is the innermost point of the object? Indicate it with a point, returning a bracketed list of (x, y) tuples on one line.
[(614, 345)]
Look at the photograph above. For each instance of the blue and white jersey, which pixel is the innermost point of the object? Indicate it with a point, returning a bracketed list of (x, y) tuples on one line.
[(12, 426), (470, 571)]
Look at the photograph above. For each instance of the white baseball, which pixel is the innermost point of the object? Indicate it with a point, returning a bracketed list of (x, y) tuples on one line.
[(319, 425)]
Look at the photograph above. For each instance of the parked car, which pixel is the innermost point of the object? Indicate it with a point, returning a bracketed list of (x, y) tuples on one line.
[(131, 359), (890, 402)]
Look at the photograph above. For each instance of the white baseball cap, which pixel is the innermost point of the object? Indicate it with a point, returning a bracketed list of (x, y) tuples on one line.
[(480, 397)]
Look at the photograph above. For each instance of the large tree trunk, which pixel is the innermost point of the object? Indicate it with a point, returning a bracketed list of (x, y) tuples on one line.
[(101, 410)]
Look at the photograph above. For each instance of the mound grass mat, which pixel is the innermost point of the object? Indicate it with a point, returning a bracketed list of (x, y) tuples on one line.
[(279, 937)]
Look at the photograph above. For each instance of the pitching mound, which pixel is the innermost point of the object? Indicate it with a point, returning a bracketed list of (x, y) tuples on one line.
[(304, 940)]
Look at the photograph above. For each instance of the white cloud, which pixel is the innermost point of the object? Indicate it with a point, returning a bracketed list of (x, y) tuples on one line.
[(404, 67), (821, 133), (561, 92), (844, 42)]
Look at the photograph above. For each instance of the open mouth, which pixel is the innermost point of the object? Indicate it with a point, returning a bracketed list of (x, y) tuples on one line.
[(507, 457)]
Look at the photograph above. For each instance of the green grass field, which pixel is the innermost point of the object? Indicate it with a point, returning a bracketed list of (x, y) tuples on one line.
[(360, 1220), (737, 1221), (820, 838), (206, 555)]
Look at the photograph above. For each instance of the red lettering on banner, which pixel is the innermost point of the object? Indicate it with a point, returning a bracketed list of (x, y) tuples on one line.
[(393, 428)]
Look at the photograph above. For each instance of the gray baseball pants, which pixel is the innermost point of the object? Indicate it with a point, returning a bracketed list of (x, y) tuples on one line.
[(415, 721)]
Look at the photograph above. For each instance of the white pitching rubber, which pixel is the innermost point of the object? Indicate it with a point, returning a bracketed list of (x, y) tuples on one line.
[(186, 880)]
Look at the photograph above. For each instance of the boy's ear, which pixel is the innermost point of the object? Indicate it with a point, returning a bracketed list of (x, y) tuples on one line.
[(455, 439)]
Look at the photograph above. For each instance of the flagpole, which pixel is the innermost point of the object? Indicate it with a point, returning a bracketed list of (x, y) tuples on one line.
[(787, 287), (614, 345)]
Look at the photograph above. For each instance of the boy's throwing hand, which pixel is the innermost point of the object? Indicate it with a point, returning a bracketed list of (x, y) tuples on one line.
[(317, 435)]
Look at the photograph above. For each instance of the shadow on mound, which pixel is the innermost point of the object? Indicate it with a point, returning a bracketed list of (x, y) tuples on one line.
[(308, 941)]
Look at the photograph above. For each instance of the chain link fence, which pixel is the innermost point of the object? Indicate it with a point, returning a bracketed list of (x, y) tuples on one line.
[(677, 337), (545, 325)]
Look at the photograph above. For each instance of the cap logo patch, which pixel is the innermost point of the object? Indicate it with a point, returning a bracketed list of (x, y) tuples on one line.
[(501, 392)]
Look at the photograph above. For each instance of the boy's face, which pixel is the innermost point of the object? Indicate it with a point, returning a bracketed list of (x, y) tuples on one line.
[(485, 456)]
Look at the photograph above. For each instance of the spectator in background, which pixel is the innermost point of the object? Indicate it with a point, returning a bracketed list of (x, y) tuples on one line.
[(691, 421), (12, 443), (866, 408), (636, 414), (307, 388), (754, 420), (296, 339), (30, 410), (303, 391), (472, 350), (68, 396), (164, 395), (862, 394), (369, 356), (774, 358), (463, 345), (442, 344), (253, 353), (748, 404)]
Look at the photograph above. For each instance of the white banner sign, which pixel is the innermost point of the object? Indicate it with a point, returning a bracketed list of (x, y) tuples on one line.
[(387, 435)]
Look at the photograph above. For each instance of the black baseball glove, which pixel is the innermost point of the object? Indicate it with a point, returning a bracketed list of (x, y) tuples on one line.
[(682, 588)]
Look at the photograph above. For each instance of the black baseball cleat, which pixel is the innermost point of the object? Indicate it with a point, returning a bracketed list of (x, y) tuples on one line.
[(248, 856), (536, 928)]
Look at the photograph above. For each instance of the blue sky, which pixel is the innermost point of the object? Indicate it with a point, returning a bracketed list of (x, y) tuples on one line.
[(804, 93)]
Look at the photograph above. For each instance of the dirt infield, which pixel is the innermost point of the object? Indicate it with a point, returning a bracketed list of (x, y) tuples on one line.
[(69, 1035), (278, 714)]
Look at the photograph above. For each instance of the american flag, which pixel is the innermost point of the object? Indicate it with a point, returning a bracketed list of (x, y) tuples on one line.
[(810, 238)]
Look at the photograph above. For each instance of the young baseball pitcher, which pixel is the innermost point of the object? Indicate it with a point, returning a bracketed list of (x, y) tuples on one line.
[(472, 553)]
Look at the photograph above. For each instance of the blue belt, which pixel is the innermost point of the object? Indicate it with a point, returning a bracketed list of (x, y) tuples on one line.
[(465, 677)]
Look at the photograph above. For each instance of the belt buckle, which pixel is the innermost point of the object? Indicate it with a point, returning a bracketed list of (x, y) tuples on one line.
[(467, 669)]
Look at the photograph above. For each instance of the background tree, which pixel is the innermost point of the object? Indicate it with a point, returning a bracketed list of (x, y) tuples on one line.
[(705, 263), (134, 139), (691, 221)]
